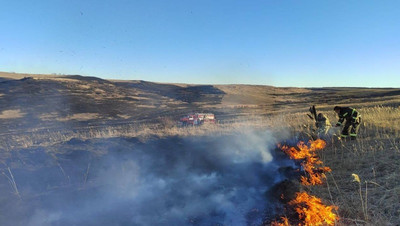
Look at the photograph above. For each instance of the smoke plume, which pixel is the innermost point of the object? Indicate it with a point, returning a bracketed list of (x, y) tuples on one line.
[(209, 180)]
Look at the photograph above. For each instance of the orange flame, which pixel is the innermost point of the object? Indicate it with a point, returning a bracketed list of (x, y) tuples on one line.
[(317, 144), (309, 209), (312, 211), (284, 223), (303, 151), (315, 175)]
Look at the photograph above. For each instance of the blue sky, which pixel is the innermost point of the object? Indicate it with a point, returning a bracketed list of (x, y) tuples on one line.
[(281, 43)]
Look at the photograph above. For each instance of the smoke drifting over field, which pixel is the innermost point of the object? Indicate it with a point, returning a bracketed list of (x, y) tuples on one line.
[(172, 181)]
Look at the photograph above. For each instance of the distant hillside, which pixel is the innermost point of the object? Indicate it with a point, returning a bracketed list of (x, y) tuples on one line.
[(30, 102)]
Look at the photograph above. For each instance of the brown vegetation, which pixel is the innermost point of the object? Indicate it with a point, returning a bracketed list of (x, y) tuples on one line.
[(374, 199), (46, 110)]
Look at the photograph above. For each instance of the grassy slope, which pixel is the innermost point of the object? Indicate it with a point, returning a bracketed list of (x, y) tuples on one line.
[(50, 109)]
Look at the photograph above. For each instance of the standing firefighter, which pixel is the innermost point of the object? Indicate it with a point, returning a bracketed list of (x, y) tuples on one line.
[(353, 120)]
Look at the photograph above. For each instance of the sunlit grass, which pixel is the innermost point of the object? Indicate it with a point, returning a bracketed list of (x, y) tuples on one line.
[(375, 200)]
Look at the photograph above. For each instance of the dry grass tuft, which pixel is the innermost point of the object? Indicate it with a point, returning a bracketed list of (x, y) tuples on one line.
[(11, 114)]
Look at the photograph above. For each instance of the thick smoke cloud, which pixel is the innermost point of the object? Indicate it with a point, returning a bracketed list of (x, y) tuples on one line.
[(173, 181)]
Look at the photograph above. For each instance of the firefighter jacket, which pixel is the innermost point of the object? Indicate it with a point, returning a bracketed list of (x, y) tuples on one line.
[(350, 114)]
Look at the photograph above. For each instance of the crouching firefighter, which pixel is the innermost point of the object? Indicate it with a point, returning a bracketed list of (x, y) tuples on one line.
[(353, 121), (323, 125)]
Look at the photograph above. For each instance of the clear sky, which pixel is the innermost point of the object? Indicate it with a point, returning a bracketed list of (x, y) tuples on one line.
[(269, 42)]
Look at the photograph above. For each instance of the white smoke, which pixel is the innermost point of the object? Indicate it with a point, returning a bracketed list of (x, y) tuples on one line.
[(172, 181)]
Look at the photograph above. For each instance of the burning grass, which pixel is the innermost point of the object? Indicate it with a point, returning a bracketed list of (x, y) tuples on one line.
[(310, 161), (312, 211), (306, 209)]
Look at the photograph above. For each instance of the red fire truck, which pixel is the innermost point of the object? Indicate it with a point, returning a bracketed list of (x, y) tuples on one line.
[(198, 119)]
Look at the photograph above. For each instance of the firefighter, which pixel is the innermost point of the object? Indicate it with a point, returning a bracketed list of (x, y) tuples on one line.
[(323, 125), (353, 121)]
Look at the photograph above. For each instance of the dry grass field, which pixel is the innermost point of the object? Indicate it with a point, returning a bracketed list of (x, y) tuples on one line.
[(374, 157), (43, 111)]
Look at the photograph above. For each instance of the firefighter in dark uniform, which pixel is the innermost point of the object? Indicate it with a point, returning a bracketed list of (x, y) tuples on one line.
[(353, 121)]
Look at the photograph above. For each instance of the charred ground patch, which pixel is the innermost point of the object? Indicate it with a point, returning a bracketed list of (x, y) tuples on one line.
[(186, 93)]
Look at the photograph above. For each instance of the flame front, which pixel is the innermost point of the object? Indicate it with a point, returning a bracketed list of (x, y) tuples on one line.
[(303, 151), (308, 209), (315, 175), (312, 211)]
